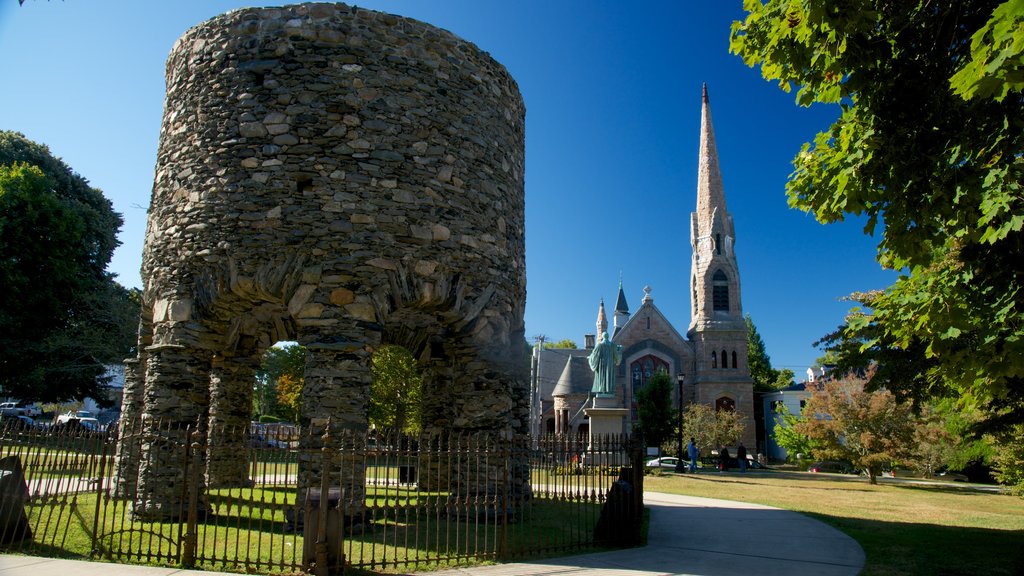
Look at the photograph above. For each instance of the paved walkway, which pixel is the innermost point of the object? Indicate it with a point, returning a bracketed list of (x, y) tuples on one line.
[(688, 535)]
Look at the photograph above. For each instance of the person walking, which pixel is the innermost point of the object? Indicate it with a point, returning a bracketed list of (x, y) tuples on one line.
[(692, 453), (741, 455), (723, 459)]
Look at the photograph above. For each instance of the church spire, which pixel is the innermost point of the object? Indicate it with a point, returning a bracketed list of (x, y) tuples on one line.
[(714, 276), (602, 320), (621, 313), (710, 194)]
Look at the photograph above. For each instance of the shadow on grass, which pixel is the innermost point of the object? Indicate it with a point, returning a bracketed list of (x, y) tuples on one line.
[(912, 548)]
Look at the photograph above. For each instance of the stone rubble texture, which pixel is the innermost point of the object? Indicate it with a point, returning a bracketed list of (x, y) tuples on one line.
[(343, 178)]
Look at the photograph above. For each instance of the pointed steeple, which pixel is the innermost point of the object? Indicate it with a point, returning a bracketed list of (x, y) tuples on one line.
[(620, 301), (710, 194), (602, 320), (621, 314), (714, 275)]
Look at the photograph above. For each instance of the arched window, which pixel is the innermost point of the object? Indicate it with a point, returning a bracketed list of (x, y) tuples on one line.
[(643, 369), (720, 291), (734, 364), (725, 403), (725, 360), (714, 359)]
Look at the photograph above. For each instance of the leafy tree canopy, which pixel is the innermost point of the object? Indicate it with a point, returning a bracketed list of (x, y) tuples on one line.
[(62, 316), (655, 415), (711, 429), (280, 361), (395, 396), (764, 376), (928, 147), (843, 421), (565, 343)]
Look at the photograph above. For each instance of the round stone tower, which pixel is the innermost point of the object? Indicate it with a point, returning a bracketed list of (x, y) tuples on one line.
[(346, 179)]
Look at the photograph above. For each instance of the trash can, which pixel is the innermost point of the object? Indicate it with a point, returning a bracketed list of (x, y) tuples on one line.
[(326, 553)]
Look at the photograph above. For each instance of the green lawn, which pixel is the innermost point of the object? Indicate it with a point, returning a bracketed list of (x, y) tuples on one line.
[(903, 528)]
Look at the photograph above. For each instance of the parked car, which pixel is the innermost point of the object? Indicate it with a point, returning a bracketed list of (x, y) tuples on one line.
[(666, 462), (20, 422), (22, 407), (72, 415), (832, 467), (734, 463)]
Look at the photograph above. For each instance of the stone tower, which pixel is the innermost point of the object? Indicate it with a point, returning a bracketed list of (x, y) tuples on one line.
[(345, 179), (716, 327), (602, 320)]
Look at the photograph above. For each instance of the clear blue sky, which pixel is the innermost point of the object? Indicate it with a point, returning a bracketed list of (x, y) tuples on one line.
[(612, 91)]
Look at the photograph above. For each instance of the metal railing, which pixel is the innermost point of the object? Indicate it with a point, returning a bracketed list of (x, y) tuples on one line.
[(377, 501)]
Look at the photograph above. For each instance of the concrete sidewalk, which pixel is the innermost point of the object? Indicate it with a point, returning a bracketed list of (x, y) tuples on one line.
[(688, 535)]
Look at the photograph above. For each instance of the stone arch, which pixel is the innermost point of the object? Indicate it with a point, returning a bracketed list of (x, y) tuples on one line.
[(356, 179)]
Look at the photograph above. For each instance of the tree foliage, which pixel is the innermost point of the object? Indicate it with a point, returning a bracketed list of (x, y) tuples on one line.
[(788, 437), (711, 429), (928, 148), (655, 416), (278, 362), (62, 316), (873, 430), (289, 396), (395, 397), (564, 343)]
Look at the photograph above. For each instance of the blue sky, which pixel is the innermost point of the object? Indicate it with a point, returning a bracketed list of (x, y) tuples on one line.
[(612, 92)]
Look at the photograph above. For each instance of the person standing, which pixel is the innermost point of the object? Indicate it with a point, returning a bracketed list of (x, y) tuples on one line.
[(723, 459), (741, 455), (692, 453)]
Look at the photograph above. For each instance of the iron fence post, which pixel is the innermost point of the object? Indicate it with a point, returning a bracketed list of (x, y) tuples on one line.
[(191, 540)]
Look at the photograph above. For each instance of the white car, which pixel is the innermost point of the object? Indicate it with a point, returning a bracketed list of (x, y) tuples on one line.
[(79, 415)]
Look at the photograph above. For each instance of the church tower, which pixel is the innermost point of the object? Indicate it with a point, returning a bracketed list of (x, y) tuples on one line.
[(602, 320), (717, 328)]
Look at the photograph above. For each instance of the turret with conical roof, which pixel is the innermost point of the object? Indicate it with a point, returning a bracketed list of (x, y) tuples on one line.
[(602, 320)]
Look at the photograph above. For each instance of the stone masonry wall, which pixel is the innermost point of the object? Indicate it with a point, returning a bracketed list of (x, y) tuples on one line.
[(344, 178)]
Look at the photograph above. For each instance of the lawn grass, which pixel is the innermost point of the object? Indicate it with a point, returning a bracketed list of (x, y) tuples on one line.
[(247, 529), (903, 528)]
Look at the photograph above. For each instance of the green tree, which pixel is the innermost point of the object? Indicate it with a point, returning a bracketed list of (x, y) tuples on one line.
[(787, 436), (289, 396), (873, 430), (760, 364), (62, 316), (395, 396), (656, 418), (928, 148), (565, 343), (287, 359), (711, 429)]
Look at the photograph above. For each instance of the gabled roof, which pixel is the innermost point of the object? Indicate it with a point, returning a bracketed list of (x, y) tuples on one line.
[(648, 304)]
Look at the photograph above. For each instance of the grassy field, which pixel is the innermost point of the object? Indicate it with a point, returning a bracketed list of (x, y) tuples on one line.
[(904, 528)]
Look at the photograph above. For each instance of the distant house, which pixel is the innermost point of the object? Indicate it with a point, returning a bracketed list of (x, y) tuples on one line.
[(794, 398)]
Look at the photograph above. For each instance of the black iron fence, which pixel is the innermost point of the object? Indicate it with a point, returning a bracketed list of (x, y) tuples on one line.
[(412, 503)]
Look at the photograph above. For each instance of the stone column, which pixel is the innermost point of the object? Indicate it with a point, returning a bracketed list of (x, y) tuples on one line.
[(231, 381), (126, 474), (335, 399), (436, 407), (177, 399)]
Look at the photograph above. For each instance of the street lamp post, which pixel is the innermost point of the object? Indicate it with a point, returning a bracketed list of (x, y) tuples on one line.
[(679, 443)]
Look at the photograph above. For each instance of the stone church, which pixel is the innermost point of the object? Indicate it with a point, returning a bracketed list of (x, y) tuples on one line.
[(708, 364)]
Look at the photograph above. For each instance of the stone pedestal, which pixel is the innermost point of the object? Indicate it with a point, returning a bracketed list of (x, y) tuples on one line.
[(606, 417)]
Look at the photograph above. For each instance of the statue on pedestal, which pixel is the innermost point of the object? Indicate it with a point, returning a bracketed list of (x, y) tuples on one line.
[(603, 360)]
